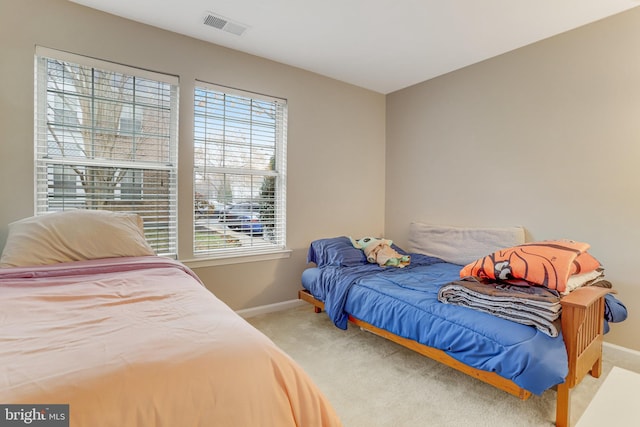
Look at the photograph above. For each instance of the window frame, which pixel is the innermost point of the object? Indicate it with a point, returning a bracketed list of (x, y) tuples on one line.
[(164, 166), (277, 247)]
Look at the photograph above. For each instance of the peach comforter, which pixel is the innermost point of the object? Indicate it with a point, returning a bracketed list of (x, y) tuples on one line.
[(140, 342)]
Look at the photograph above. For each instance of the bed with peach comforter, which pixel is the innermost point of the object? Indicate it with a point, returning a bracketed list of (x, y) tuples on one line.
[(139, 341)]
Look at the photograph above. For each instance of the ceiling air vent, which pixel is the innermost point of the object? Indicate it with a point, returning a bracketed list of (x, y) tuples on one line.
[(222, 23)]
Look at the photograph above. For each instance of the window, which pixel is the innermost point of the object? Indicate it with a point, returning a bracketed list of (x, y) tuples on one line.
[(106, 138), (239, 172)]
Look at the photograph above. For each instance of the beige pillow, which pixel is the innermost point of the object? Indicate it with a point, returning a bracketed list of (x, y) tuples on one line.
[(74, 236), (461, 245)]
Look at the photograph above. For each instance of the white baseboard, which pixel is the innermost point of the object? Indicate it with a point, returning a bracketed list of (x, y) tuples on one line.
[(270, 308), (631, 351)]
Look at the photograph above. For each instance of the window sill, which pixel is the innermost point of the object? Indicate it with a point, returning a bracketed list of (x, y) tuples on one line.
[(235, 259)]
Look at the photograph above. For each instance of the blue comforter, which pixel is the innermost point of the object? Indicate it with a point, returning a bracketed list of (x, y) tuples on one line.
[(334, 282), (404, 302)]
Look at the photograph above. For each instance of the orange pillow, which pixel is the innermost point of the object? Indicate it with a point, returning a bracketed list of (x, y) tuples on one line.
[(584, 263), (548, 263)]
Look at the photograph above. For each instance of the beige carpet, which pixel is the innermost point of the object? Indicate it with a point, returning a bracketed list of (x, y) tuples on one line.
[(372, 382)]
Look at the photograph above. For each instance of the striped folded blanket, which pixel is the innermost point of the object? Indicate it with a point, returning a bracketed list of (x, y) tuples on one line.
[(535, 306)]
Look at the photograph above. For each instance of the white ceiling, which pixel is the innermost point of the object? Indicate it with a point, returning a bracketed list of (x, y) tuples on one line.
[(382, 45)]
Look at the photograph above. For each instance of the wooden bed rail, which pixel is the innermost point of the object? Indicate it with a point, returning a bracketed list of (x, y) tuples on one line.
[(442, 357), (430, 352), (582, 330), (305, 295)]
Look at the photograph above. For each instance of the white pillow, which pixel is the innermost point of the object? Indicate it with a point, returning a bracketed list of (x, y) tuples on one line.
[(461, 245), (74, 236)]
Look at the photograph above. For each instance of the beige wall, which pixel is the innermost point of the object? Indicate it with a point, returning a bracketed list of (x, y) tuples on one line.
[(334, 129), (547, 137)]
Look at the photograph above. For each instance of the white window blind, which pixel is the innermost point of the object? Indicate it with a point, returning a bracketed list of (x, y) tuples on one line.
[(106, 138), (239, 172)]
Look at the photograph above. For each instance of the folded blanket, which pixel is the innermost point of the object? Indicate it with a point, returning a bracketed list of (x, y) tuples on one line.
[(548, 263), (529, 305), (585, 279)]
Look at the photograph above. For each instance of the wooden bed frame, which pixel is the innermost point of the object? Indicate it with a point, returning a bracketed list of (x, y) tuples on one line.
[(582, 328)]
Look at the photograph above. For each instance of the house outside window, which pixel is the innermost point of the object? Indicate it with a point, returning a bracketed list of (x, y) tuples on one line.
[(239, 172), (106, 138)]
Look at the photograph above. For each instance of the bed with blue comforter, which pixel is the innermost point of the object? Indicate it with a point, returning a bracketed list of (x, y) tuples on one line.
[(404, 302)]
